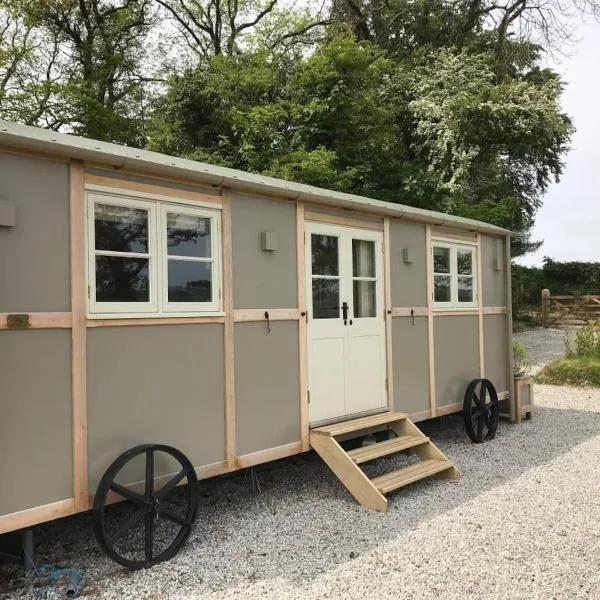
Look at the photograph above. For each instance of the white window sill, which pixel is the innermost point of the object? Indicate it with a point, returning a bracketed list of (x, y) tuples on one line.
[(170, 315)]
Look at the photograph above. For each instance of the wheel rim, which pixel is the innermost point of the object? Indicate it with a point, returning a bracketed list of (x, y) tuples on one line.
[(148, 525), (480, 410)]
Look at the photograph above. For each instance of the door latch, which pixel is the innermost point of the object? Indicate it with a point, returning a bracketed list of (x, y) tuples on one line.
[(345, 312)]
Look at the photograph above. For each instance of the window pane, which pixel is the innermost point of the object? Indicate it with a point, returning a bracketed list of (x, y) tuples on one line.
[(188, 235), (465, 289), (326, 298), (441, 287), (441, 260), (464, 259), (190, 281), (324, 254), (122, 279), (120, 228), (364, 299), (363, 258)]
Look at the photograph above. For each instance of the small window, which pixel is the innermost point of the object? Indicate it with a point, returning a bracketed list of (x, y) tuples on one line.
[(454, 276), (151, 257)]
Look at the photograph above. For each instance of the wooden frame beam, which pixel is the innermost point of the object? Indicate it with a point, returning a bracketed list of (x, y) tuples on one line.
[(40, 320), (345, 220), (258, 314), (153, 321), (37, 515), (150, 188), (263, 456), (78, 334), (228, 333), (302, 325), (480, 308), (387, 282), (430, 340)]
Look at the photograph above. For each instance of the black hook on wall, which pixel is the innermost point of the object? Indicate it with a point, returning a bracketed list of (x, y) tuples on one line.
[(412, 314), (268, 321)]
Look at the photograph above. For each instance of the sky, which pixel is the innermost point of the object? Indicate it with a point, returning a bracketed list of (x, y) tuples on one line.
[(569, 220)]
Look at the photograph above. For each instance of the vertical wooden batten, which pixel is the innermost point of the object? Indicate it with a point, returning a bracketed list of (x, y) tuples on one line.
[(509, 331), (480, 307), (78, 334), (228, 339), (430, 341), (387, 278), (302, 333)]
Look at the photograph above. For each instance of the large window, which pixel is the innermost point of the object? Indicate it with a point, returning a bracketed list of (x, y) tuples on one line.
[(454, 275), (150, 256)]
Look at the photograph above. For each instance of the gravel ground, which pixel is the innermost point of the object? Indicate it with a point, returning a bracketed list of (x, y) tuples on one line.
[(522, 522), (543, 345)]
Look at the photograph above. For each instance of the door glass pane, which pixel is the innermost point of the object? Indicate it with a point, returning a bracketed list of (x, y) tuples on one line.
[(441, 259), (324, 254), (364, 299), (441, 288), (122, 279), (326, 298), (464, 259), (465, 289), (363, 258), (190, 281), (121, 228), (188, 235)]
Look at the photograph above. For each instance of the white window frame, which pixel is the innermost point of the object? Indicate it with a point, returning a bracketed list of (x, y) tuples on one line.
[(157, 207), (455, 247), (177, 307)]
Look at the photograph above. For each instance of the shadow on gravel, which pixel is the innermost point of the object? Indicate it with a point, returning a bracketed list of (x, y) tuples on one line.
[(304, 522)]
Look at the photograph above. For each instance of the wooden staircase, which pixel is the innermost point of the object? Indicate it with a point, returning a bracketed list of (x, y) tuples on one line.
[(345, 464)]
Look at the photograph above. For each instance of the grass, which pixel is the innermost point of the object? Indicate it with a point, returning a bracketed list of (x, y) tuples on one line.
[(573, 370)]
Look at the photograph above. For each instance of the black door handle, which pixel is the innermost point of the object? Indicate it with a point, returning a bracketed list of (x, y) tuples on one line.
[(345, 308)]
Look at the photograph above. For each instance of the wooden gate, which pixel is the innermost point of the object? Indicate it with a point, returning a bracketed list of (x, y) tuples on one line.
[(569, 310)]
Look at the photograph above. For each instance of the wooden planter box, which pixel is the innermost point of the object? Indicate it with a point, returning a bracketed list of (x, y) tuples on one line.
[(521, 405)]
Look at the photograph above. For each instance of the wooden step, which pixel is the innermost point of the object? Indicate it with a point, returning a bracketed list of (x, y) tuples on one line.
[(373, 451), (397, 479), (360, 424)]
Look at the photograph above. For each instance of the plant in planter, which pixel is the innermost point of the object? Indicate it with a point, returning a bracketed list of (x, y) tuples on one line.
[(523, 385)]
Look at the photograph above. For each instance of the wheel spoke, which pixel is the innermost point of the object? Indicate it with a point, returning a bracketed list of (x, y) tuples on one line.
[(480, 419), (128, 494), (149, 536), (483, 394), (476, 398), (137, 516), (171, 516), (170, 485), (149, 471)]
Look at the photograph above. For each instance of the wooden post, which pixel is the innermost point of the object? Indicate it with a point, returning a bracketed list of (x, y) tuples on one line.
[(545, 307)]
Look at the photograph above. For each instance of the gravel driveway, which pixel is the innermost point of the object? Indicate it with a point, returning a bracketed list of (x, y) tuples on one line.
[(522, 522), (543, 345)]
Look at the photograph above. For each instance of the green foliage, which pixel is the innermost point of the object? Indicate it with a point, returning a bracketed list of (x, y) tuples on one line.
[(520, 362), (577, 370), (587, 340), (431, 103), (559, 277)]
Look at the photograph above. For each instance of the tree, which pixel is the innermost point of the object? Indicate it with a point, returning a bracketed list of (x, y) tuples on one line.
[(215, 28), (101, 44)]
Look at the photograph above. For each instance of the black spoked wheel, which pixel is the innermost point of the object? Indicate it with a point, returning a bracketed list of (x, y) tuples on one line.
[(140, 526), (481, 411)]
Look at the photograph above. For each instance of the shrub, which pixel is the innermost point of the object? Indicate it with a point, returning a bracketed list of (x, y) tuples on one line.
[(520, 362), (587, 340)]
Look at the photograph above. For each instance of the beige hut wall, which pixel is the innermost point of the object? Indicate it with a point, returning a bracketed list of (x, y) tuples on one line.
[(429, 375), (157, 384), (267, 395), (35, 365)]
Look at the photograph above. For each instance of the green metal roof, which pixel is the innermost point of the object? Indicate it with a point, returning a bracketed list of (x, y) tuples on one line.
[(123, 157)]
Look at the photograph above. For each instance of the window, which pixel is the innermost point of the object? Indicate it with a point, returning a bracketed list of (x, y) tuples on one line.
[(454, 280), (151, 257)]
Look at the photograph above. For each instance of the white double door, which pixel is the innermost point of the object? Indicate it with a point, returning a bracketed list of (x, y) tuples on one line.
[(346, 325)]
